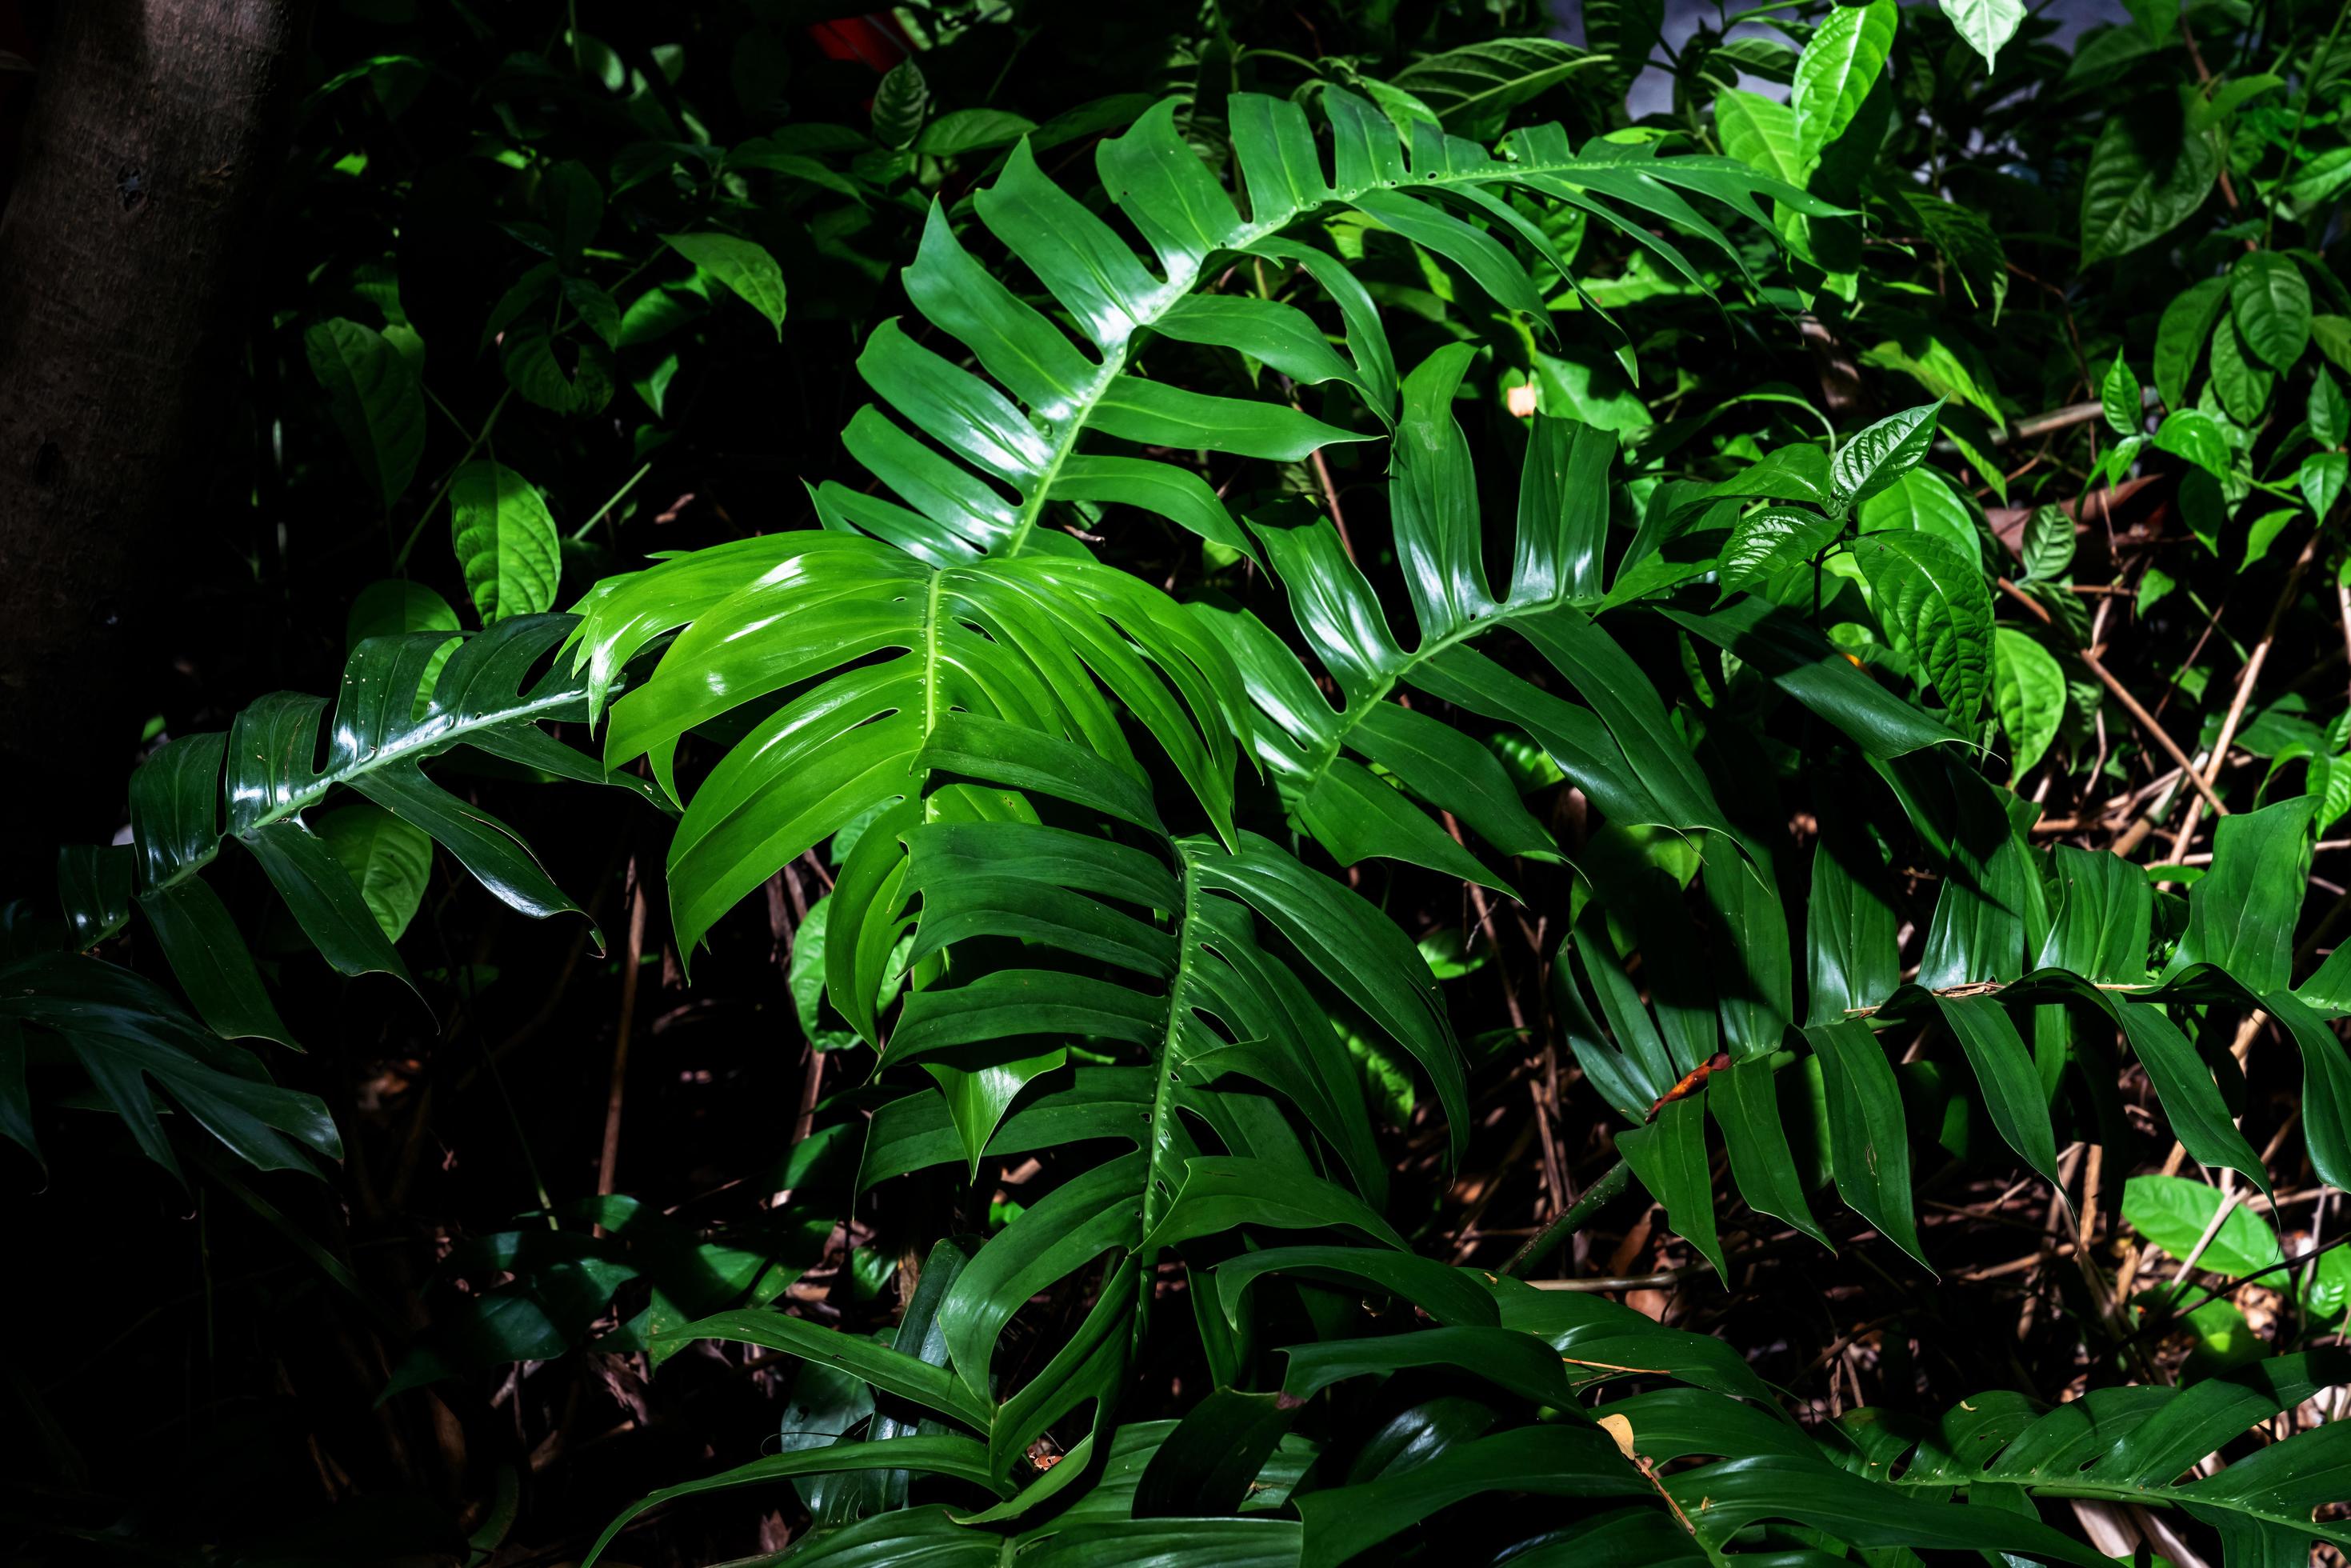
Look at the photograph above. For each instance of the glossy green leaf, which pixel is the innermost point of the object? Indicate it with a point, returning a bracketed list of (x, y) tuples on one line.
[(1477, 83), (1868, 1145), (1878, 455), (1933, 601), (2005, 1073), (1770, 540), (131, 1041), (2028, 693), (504, 540), (1669, 1156), (1986, 25), (2181, 336), (743, 266), (2118, 396), (2269, 304), (2048, 544), (2152, 167), (389, 860), (1558, 1461), (2329, 411), (2243, 384), (2188, 434), (1839, 66), (2175, 1214), (2321, 480), (2241, 914)]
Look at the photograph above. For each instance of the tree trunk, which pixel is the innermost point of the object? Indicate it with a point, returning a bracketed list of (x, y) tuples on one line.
[(153, 137)]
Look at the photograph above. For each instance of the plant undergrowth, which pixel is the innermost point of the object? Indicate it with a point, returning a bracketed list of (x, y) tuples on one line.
[(1462, 825)]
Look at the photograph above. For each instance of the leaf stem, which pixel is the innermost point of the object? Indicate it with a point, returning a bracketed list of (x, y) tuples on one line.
[(399, 561), (1595, 1197), (618, 497)]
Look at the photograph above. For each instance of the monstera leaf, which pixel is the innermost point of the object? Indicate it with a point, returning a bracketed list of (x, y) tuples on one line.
[(1024, 434)]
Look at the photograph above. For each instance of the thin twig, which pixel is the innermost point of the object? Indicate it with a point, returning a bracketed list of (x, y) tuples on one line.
[(608, 1162), (2245, 679)]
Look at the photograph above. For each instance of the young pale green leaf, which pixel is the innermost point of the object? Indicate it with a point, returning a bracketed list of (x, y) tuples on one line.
[(1840, 65), (2329, 412), (1882, 454), (2048, 545), (742, 264), (1768, 541), (1761, 133), (2270, 303), (2150, 172), (506, 542), (2118, 396), (1986, 25), (2321, 478), (389, 860), (2028, 693), (375, 400), (1934, 602), (2174, 1213)]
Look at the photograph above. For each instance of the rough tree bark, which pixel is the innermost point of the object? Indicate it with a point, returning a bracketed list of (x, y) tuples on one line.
[(153, 138)]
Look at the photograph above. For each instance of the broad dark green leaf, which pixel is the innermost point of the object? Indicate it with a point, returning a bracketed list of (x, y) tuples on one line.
[(2028, 693), (958, 1458), (506, 542), (1768, 541), (2269, 304), (1868, 1144), (2152, 167), (1934, 602), (1875, 457), (375, 400), (2005, 1072), (132, 1043), (2241, 912), (1555, 1461), (1746, 1106), (1445, 1293), (388, 859), (1669, 1156), (743, 265), (2181, 336)]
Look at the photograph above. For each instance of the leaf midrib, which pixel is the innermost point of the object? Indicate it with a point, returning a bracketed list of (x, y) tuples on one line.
[(2162, 1497), (1064, 435), (425, 740)]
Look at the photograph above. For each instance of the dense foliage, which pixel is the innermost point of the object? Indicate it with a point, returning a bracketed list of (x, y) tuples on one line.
[(1455, 828)]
